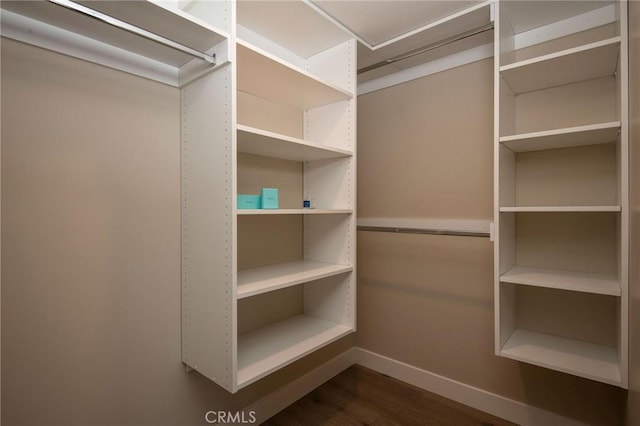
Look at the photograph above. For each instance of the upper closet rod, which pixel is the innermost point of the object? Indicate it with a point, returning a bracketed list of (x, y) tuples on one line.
[(211, 59), (401, 230), (427, 48)]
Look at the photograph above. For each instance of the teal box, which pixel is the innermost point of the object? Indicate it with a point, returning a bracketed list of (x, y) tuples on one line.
[(269, 198), (246, 201)]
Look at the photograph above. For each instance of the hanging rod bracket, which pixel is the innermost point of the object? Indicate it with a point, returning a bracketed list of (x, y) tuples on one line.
[(110, 20)]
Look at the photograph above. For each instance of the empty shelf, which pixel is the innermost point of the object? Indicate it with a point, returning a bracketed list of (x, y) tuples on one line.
[(563, 280), (268, 77), (303, 32), (268, 278), (560, 209), (586, 62), (563, 138), (265, 350), (582, 359), (292, 211), (269, 144), (527, 15)]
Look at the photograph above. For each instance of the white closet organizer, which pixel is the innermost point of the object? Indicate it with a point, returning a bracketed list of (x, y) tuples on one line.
[(263, 288), (72, 28), (276, 107), (561, 209)]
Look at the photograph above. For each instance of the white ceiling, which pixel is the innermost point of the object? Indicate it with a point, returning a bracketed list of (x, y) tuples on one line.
[(391, 28), (378, 21)]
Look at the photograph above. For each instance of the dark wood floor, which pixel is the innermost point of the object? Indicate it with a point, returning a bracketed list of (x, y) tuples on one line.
[(359, 396)]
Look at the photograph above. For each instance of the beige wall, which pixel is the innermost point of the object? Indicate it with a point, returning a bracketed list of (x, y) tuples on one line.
[(91, 251), (633, 404), (425, 150)]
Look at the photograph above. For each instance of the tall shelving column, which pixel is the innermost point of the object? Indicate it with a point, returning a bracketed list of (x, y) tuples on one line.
[(275, 284), (561, 179), (296, 111)]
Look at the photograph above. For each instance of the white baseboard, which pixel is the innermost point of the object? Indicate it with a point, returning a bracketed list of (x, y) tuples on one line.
[(508, 409), (277, 401)]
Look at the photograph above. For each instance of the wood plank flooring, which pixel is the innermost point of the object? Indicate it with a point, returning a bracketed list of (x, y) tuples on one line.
[(360, 396)]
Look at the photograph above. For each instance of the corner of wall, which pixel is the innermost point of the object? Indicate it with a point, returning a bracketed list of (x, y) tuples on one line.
[(633, 401)]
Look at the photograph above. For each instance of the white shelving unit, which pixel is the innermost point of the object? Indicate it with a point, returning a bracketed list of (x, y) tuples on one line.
[(561, 208), (282, 114)]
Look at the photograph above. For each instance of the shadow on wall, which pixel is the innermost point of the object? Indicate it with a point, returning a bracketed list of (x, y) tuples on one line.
[(586, 401), (431, 294)]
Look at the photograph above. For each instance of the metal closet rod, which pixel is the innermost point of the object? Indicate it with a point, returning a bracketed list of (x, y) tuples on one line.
[(400, 230), (209, 58), (427, 48)]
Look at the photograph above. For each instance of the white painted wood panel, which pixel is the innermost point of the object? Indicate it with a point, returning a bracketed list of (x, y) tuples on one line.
[(293, 211), (582, 359), (614, 209), (303, 32), (587, 62), (330, 239), (265, 350), (563, 280), (269, 77), (332, 299), (208, 228), (268, 278), (528, 15), (269, 144), (563, 138)]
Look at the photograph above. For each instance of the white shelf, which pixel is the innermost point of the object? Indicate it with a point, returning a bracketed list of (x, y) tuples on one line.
[(303, 32), (586, 62), (292, 211), (265, 75), (563, 138), (269, 278), (172, 24), (267, 349), (269, 144), (582, 359), (563, 280), (528, 15), (561, 209)]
